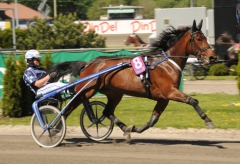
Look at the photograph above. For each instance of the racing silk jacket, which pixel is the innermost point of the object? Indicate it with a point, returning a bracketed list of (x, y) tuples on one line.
[(32, 74)]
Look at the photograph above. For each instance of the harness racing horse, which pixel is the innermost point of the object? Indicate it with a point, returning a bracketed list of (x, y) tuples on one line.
[(232, 48), (160, 81), (136, 41)]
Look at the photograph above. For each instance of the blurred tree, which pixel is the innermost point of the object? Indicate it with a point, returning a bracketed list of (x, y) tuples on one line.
[(166, 3), (64, 7), (6, 37), (70, 35), (39, 36), (27, 96), (183, 3), (12, 90), (47, 62), (63, 34), (94, 12)]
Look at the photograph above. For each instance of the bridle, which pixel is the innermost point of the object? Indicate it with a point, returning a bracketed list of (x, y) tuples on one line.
[(199, 51)]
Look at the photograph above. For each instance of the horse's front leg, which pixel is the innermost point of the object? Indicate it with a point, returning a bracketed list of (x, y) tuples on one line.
[(158, 110), (194, 103), (181, 97)]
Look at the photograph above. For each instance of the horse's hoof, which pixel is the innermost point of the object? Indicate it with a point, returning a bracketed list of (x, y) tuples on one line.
[(210, 125), (128, 130)]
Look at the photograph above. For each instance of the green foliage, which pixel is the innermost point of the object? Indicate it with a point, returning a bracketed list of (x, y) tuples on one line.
[(166, 3), (63, 34), (27, 96), (207, 3), (17, 97), (12, 90), (47, 62), (149, 6), (89, 9), (233, 70), (94, 13), (6, 37), (39, 36), (137, 111), (218, 70), (66, 32), (63, 7), (183, 3)]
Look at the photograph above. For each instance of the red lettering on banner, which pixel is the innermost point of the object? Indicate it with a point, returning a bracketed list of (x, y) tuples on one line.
[(88, 27), (152, 23), (103, 27), (111, 27), (137, 26)]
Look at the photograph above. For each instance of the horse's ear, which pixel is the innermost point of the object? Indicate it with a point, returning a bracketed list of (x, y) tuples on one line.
[(200, 25), (194, 27)]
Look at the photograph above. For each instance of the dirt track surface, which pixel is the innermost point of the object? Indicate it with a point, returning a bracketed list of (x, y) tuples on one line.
[(169, 146), (210, 86), (172, 146)]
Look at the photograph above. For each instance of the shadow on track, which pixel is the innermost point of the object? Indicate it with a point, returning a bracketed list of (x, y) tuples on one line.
[(79, 142)]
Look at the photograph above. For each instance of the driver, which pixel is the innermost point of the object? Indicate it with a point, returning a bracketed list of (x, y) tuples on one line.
[(36, 77)]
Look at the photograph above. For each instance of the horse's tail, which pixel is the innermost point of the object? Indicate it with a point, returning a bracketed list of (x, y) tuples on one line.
[(69, 67)]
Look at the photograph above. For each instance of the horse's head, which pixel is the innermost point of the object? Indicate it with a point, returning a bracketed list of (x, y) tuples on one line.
[(225, 38), (198, 45), (130, 39)]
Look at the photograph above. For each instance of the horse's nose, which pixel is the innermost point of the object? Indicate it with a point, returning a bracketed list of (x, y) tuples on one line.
[(212, 59)]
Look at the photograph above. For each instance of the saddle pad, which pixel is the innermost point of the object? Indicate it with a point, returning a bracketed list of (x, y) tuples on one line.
[(138, 65)]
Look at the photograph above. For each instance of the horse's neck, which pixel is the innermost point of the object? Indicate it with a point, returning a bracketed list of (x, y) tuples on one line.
[(137, 43), (178, 53)]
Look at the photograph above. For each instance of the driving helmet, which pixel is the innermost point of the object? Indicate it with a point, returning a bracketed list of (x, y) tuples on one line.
[(32, 54)]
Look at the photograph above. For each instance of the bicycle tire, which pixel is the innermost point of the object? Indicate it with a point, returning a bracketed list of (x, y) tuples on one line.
[(102, 128), (55, 134), (200, 73), (187, 73)]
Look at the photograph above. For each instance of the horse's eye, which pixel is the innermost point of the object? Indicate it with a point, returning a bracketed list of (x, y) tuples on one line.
[(199, 39)]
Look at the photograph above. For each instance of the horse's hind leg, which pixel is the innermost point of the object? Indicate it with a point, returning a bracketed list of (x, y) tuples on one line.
[(113, 101), (194, 103), (158, 110)]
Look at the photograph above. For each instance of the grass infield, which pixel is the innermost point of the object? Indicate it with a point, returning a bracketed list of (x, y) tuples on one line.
[(223, 109)]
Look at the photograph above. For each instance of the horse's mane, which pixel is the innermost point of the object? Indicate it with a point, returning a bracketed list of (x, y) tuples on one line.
[(140, 40), (165, 40), (169, 37), (64, 68)]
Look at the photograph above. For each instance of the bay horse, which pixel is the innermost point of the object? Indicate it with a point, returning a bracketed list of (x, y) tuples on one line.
[(232, 48), (160, 82), (136, 41)]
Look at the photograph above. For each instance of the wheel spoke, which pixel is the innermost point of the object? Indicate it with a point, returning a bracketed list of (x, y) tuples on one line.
[(102, 127)]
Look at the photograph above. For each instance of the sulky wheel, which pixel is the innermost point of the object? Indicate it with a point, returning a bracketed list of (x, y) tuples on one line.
[(95, 127), (55, 133), (200, 73)]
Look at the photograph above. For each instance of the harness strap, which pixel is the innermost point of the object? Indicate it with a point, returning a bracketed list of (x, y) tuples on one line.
[(160, 61), (145, 80)]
